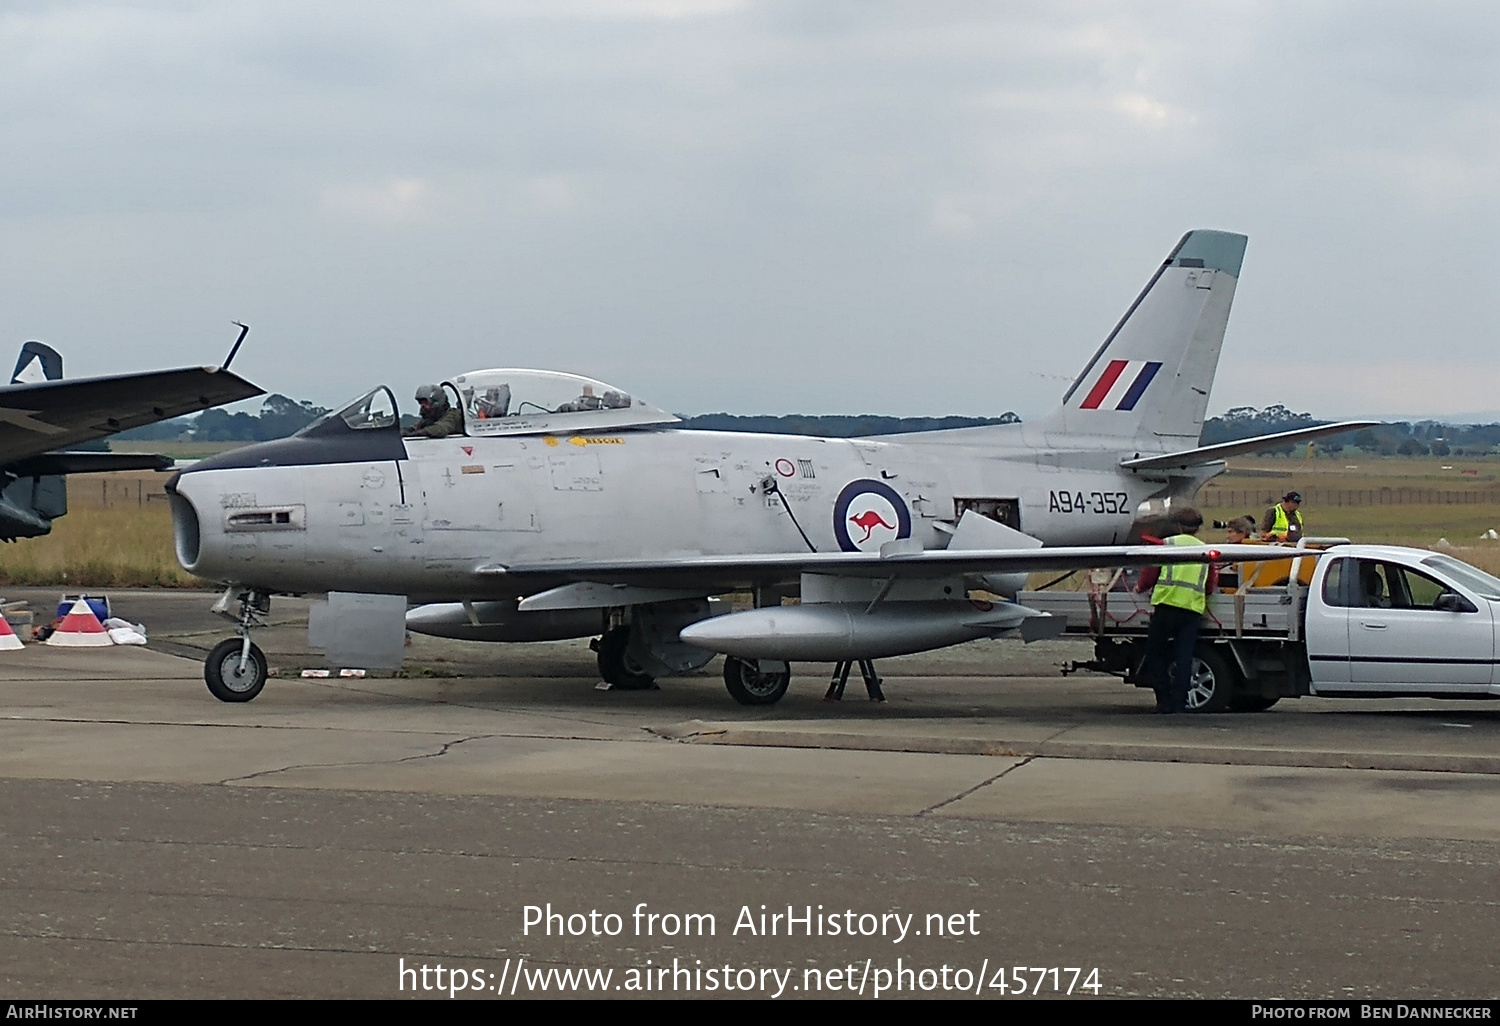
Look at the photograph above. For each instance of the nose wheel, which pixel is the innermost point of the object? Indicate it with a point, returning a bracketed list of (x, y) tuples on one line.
[(236, 669), (234, 674)]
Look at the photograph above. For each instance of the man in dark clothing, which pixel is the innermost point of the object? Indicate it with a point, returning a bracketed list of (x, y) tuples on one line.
[(439, 419), (1179, 595)]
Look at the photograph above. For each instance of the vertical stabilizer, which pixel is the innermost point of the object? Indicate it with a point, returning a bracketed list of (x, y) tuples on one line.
[(1149, 382), (37, 362)]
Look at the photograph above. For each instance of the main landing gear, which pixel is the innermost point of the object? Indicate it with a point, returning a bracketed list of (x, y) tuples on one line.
[(616, 666), (756, 681), (236, 669)]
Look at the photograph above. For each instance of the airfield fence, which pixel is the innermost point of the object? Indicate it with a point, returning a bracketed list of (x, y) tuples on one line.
[(1259, 499), (112, 491)]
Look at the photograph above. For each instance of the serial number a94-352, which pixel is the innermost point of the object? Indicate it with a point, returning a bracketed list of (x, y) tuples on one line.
[(1088, 502)]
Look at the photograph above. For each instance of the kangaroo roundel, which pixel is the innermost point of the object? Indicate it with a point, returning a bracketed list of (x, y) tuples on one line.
[(867, 515)]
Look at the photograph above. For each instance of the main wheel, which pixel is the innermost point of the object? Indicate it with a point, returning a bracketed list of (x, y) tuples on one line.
[(615, 665), (1252, 703), (749, 686), (226, 680), (1213, 682)]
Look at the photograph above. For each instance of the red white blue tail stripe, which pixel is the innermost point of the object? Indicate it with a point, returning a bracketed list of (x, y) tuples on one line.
[(1121, 385)]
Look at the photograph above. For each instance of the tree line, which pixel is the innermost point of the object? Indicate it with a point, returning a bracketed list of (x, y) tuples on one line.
[(280, 416)]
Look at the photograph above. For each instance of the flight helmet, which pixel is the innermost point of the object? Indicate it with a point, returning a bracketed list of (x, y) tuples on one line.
[(432, 395)]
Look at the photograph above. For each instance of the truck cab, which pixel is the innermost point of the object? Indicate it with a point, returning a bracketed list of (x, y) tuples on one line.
[(1387, 620)]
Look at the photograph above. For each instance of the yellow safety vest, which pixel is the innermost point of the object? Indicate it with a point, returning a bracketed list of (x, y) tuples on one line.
[(1184, 585), (1282, 525)]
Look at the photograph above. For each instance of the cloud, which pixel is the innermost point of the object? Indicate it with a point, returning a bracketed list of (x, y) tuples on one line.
[(393, 201), (759, 205)]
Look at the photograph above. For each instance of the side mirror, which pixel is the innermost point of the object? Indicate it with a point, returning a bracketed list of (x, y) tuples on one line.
[(1453, 602)]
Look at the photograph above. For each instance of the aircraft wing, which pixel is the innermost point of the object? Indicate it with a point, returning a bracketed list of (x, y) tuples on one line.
[(44, 416), (716, 574), (1213, 453), (51, 463)]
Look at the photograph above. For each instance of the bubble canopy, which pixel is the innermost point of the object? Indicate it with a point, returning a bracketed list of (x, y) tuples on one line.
[(512, 401)]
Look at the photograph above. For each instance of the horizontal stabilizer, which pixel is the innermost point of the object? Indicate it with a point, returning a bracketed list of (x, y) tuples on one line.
[(1189, 458)]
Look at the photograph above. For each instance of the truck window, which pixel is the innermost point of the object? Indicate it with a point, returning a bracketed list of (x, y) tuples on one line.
[(1373, 590), (1466, 575), (1419, 590), (1334, 592), (1393, 586)]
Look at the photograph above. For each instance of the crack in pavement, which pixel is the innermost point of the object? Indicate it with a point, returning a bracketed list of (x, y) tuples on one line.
[(444, 750), (976, 787)]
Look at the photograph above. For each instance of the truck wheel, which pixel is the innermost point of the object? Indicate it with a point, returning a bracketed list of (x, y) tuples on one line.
[(616, 667), (749, 686), (1214, 680), (221, 671), (1252, 703)]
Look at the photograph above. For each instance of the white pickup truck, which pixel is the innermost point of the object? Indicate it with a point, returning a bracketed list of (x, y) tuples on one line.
[(1374, 621)]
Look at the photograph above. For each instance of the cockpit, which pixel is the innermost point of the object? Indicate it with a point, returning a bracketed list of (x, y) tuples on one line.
[(509, 401)]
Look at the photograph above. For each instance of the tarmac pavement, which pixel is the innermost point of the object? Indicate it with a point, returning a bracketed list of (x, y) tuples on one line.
[(157, 842)]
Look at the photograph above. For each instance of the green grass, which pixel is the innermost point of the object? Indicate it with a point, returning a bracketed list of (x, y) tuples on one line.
[(121, 547)]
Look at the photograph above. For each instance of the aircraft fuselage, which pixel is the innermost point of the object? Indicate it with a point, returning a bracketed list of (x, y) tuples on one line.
[(420, 526)]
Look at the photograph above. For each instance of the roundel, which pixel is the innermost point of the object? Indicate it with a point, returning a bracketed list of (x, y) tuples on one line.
[(867, 515)]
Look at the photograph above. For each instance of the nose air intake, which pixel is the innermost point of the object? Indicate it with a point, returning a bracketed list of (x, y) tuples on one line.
[(185, 534)]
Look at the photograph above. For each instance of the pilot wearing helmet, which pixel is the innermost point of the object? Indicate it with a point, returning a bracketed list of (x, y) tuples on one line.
[(439, 418)]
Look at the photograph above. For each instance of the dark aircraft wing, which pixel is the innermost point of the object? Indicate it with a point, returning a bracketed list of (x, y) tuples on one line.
[(717, 574), (46, 416), (51, 463)]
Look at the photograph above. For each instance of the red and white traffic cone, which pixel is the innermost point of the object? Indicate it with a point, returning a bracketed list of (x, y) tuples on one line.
[(8, 639), (80, 629)]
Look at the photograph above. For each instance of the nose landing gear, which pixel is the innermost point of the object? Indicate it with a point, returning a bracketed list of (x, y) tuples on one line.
[(236, 669)]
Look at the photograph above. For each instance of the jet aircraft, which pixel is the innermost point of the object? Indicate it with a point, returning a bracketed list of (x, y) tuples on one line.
[(569, 508), (41, 415)]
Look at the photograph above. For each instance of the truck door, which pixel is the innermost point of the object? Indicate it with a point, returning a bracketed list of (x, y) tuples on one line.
[(1327, 632), (1399, 641)]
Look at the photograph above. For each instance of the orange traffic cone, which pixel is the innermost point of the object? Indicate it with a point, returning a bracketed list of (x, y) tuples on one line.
[(80, 629), (8, 639)]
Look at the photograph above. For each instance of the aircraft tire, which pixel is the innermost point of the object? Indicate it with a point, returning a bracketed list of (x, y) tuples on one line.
[(221, 671), (1252, 703), (615, 666), (748, 686), (1214, 681)]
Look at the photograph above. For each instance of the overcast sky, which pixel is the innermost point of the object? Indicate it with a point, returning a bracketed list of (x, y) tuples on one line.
[(758, 207)]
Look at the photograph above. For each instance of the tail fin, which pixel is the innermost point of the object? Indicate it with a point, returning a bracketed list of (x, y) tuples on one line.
[(37, 362), (1149, 381)]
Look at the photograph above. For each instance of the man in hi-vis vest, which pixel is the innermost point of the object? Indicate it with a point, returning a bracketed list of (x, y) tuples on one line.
[(1179, 594), (1283, 521)]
